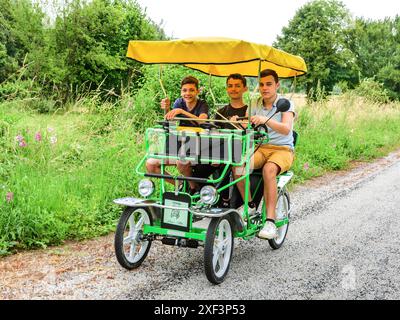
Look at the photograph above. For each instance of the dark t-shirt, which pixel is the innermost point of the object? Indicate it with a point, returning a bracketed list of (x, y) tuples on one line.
[(228, 111), (201, 107)]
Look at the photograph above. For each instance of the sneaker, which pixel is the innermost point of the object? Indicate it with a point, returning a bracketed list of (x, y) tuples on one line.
[(269, 231), (251, 211)]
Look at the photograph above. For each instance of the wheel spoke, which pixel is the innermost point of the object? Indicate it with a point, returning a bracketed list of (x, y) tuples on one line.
[(225, 242), (132, 250), (221, 261), (140, 223), (215, 259), (221, 234), (129, 239), (131, 225), (216, 247)]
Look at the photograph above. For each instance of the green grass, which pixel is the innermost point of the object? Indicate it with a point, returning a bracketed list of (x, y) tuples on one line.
[(64, 190), (347, 128)]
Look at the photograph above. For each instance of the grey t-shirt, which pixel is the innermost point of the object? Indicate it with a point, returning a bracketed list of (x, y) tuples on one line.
[(275, 138)]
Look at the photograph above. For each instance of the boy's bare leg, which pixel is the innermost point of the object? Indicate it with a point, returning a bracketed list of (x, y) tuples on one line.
[(240, 171), (237, 173), (185, 168), (154, 166), (270, 171)]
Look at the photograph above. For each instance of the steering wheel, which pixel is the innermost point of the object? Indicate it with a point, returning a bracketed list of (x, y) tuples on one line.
[(260, 127), (261, 131)]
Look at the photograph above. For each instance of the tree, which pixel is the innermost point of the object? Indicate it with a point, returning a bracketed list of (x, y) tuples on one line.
[(316, 33), (17, 36), (91, 39), (390, 74), (376, 46)]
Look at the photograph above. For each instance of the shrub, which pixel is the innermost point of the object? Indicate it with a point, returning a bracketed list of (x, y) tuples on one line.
[(372, 90)]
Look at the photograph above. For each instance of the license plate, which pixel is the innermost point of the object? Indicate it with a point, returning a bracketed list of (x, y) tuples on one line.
[(179, 217)]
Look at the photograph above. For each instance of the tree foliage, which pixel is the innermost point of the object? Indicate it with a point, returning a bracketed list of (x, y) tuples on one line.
[(376, 45), (21, 32), (91, 40), (316, 34), (85, 47)]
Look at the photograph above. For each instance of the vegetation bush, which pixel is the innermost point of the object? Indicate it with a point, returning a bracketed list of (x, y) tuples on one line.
[(372, 90)]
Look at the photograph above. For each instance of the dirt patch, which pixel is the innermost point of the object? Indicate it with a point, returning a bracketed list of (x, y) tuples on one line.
[(24, 269)]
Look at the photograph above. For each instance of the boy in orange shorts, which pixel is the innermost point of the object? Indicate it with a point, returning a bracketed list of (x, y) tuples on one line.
[(277, 155)]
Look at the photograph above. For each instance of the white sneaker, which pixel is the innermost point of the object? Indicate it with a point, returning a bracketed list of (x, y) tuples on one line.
[(251, 211), (269, 231)]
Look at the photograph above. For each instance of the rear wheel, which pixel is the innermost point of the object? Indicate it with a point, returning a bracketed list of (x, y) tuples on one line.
[(218, 249), (131, 248), (282, 213)]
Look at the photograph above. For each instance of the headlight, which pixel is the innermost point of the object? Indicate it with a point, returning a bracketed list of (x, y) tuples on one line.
[(146, 187), (208, 195)]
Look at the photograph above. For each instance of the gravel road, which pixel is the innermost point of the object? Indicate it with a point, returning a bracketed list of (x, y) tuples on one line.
[(343, 243)]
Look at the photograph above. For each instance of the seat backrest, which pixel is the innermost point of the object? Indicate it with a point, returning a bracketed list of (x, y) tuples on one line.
[(295, 136)]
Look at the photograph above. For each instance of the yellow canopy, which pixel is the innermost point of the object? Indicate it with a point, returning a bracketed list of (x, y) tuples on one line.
[(218, 56)]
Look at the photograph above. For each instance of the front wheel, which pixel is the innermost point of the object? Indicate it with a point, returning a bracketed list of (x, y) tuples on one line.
[(218, 249), (131, 248), (282, 213)]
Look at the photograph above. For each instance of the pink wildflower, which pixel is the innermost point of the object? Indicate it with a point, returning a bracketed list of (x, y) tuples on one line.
[(9, 196), (306, 166), (38, 136), (19, 138), (22, 144)]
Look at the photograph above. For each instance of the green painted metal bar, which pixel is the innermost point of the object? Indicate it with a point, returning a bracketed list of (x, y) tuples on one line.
[(281, 223), (197, 234)]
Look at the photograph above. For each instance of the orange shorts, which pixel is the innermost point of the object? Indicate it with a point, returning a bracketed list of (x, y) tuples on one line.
[(282, 156)]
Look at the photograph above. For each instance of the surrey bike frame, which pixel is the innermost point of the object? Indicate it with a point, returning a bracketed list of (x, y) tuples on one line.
[(242, 229)]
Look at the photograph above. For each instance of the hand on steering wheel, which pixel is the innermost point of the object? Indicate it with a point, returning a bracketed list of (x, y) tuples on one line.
[(259, 127)]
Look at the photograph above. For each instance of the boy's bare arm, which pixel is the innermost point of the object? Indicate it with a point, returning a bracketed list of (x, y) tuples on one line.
[(283, 127), (166, 104), (177, 112)]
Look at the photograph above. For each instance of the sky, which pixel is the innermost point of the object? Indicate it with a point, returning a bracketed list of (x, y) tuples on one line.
[(258, 21)]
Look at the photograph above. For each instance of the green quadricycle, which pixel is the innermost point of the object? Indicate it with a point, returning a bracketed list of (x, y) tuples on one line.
[(171, 214)]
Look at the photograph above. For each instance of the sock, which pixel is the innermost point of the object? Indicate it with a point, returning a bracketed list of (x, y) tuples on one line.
[(271, 220)]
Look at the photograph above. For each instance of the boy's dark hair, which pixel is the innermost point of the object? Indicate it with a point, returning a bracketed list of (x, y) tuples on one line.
[(269, 72), (190, 80), (237, 76)]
